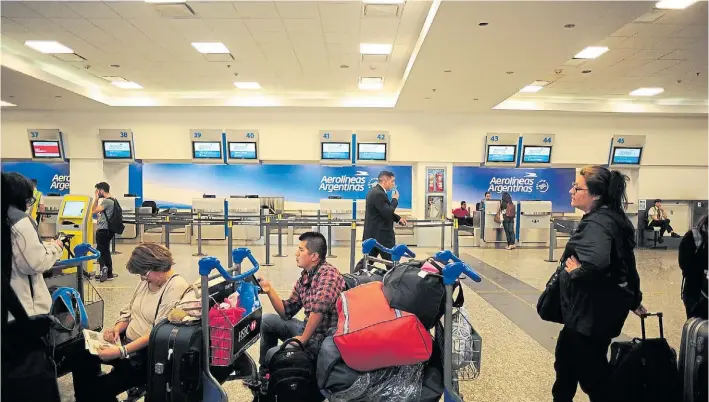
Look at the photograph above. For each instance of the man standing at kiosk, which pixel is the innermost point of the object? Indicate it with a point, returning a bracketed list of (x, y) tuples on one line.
[(103, 234), (38, 207), (379, 215)]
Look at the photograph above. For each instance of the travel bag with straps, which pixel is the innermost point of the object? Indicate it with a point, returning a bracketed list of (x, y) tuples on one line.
[(645, 369), (115, 221), (291, 374)]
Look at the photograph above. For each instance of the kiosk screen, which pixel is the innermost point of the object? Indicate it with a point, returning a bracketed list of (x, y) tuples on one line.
[(626, 156), (533, 154), (117, 150), (45, 149), (335, 150), (73, 209)]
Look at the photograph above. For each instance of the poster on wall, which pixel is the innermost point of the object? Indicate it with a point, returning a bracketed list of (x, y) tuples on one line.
[(51, 177), (435, 180), (175, 185), (434, 207), (549, 184)]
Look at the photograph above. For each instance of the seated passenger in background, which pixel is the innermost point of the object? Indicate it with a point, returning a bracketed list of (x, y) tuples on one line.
[(479, 205), (159, 290), (462, 214), (656, 217), (693, 261), (316, 292)]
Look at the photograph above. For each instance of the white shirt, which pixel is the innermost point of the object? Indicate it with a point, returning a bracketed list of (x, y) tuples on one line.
[(30, 258)]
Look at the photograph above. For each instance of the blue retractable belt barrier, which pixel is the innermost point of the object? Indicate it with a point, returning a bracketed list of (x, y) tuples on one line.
[(66, 294), (397, 252)]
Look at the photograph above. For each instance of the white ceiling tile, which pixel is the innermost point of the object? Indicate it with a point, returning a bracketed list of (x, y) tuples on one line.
[(133, 9), (264, 25), (52, 9), (262, 9), (278, 38), (40, 26), (379, 30), (651, 68), (673, 43), (298, 9), (637, 42), (628, 30), (694, 15), (13, 9), (9, 26), (657, 30), (193, 30), (612, 42), (93, 9), (692, 31), (213, 9), (649, 54), (297, 26)]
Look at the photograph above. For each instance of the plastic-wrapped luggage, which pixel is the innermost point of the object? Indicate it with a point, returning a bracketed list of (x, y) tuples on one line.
[(693, 360), (332, 373), (393, 384)]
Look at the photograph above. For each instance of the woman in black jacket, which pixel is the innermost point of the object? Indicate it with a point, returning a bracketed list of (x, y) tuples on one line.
[(694, 264), (507, 208), (599, 285)]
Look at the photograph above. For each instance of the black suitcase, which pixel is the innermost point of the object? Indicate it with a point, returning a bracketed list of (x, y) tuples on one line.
[(693, 360), (174, 363), (645, 370), (362, 276)]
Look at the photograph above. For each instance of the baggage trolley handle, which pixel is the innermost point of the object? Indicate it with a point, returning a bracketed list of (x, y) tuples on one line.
[(397, 252), (80, 251), (207, 264)]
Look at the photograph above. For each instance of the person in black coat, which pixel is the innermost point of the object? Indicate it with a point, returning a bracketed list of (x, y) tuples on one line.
[(599, 285), (379, 215), (693, 260)]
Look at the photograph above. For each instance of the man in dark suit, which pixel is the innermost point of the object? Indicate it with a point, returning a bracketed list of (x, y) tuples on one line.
[(379, 216)]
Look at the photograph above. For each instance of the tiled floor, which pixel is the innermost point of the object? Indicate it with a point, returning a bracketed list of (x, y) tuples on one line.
[(517, 347)]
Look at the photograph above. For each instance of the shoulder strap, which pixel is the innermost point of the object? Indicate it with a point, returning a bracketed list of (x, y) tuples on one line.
[(157, 309), (697, 239)]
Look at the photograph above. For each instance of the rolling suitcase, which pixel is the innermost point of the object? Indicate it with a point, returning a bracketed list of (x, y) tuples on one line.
[(693, 360), (174, 363)]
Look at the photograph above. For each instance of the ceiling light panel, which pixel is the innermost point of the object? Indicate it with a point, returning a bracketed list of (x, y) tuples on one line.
[(384, 1), (210, 47), (375, 48), (247, 85), (371, 83), (674, 4), (111, 78), (166, 1), (127, 85), (591, 52), (647, 91), (48, 46), (6, 104), (530, 89)]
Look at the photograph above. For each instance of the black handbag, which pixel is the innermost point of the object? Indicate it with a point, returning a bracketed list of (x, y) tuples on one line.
[(28, 370), (549, 303)]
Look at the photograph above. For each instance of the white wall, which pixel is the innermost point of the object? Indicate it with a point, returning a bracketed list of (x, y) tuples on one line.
[(674, 160)]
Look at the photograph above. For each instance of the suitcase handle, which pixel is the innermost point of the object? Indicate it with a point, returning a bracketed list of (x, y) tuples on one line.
[(292, 340), (642, 323)]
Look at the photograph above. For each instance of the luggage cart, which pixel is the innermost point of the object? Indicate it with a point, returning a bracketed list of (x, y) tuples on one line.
[(468, 351), (243, 334), (396, 252)]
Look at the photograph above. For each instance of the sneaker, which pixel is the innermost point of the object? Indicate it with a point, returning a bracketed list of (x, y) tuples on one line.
[(660, 240), (112, 277), (675, 235), (104, 274)]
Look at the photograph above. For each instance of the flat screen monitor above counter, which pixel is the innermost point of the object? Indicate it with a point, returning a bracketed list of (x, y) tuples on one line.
[(372, 152), (626, 156), (242, 150), (207, 150), (117, 150), (501, 153), (45, 149), (335, 150), (536, 154)]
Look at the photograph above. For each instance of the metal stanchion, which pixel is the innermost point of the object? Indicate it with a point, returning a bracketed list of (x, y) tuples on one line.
[(230, 245), (353, 240), (199, 237), (329, 237), (268, 262), (552, 240), (280, 238), (113, 246), (443, 234), (456, 246), (166, 231), (319, 221)]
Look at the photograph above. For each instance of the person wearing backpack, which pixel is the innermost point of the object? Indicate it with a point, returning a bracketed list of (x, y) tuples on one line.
[(508, 211), (108, 210), (694, 263)]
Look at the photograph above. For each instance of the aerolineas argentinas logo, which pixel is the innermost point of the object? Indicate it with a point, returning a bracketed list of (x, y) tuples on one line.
[(514, 184), (60, 182), (344, 183)]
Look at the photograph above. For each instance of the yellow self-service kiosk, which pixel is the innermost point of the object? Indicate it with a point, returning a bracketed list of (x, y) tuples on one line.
[(75, 221)]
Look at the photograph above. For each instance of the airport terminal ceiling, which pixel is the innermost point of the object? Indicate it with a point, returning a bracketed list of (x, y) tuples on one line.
[(432, 56)]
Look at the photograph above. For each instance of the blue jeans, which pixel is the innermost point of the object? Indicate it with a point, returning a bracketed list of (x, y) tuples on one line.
[(274, 329), (509, 225)]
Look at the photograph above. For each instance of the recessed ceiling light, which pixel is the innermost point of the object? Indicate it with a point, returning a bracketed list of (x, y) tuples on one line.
[(375, 48), (476, 99), (115, 65), (647, 91), (344, 66), (247, 85), (674, 4), (166, 1), (483, 24), (210, 47), (371, 83), (510, 72), (127, 84), (111, 78), (569, 26), (591, 52), (531, 89), (48, 46), (586, 72), (6, 104), (383, 1), (447, 71)]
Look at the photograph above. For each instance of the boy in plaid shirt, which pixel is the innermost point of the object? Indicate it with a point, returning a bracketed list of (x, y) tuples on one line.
[(316, 291)]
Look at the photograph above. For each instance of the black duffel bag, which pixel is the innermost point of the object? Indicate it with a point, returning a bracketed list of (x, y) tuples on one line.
[(292, 374), (408, 288), (332, 373), (364, 275)]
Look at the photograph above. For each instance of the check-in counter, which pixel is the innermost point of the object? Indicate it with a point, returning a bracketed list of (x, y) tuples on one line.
[(338, 210), (533, 223), (492, 232), (246, 209), (47, 225), (128, 206), (212, 211)]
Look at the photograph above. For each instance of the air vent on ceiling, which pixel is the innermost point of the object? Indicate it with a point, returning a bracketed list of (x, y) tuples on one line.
[(175, 10), (219, 57), (70, 57), (375, 58), (382, 10)]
